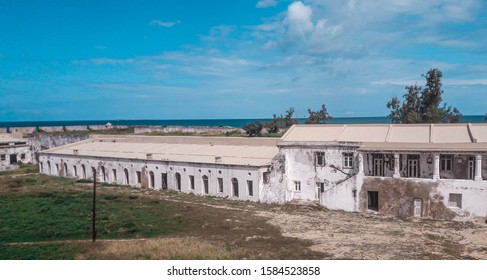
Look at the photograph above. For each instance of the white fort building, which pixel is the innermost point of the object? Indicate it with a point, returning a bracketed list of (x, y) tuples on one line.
[(426, 170)]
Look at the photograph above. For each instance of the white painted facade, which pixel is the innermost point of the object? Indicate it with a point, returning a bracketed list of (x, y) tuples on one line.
[(13, 150), (456, 174)]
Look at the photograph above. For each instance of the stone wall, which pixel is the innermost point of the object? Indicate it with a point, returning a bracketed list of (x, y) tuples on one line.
[(184, 129)]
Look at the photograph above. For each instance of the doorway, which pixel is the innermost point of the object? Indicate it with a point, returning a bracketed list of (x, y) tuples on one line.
[(373, 200)]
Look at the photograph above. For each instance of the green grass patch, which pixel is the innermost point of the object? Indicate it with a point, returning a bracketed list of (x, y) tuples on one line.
[(38, 252), (24, 168), (55, 215)]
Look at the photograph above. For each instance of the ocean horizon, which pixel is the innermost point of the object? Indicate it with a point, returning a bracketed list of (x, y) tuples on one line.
[(238, 123)]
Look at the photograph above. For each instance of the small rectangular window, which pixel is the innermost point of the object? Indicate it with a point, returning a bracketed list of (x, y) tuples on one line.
[(3, 157), (446, 162), (138, 177), (320, 158), (321, 186), (114, 171), (220, 185), (250, 187), (297, 186), (22, 156), (455, 200), (191, 182), (164, 180), (347, 160), (75, 171)]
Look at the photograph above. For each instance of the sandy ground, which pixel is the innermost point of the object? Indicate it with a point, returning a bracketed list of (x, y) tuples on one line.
[(343, 235)]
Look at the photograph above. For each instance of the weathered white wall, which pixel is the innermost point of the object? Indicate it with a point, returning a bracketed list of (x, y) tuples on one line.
[(474, 195), (212, 171), (41, 142), (18, 150), (300, 166), (343, 196)]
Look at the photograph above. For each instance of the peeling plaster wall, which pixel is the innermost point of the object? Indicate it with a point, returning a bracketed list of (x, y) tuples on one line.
[(212, 171), (274, 191), (17, 150), (396, 197), (300, 166)]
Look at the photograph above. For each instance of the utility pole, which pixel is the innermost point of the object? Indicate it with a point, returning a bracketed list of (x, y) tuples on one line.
[(94, 207)]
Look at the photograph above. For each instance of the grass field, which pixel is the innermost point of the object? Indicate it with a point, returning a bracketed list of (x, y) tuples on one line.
[(43, 217), (46, 217)]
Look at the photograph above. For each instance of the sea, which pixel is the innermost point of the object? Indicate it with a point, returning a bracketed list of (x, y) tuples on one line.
[(210, 122)]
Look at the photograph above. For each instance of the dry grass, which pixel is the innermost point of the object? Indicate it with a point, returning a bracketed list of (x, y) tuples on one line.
[(159, 249)]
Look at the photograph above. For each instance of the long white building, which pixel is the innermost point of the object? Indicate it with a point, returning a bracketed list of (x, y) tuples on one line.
[(227, 167), (430, 170)]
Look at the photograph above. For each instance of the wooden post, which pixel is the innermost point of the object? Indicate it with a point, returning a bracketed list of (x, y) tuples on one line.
[(94, 207)]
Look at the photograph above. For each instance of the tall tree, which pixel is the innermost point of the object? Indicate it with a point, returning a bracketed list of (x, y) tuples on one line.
[(281, 122), (318, 117), (423, 105)]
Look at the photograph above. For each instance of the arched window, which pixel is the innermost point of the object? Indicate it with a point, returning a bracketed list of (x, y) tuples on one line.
[(103, 174), (48, 167), (65, 169), (235, 187), (41, 166), (83, 171), (93, 173), (151, 180), (205, 184), (126, 178), (178, 181)]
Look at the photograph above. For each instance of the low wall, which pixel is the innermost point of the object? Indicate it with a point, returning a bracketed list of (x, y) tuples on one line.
[(76, 128), (41, 142), (51, 128), (23, 130), (183, 129)]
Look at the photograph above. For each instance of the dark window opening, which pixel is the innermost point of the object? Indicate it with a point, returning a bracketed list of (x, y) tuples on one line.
[(446, 162), (151, 179), (164, 180), (320, 158), (250, 188), (178, 181), (138, 176), (220, 185), (373, 200), (205, 184), (235, 187), (13, 158), (191, 182)]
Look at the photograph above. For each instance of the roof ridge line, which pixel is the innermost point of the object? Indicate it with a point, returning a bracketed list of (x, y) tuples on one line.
[(470, 133), (341, 132), (389, 132)]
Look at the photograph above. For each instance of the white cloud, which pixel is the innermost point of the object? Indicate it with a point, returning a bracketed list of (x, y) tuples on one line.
[(168, 24), (266, 3), (298, 20)]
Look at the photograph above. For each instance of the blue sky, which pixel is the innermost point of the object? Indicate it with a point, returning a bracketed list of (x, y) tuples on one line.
[(87, 60)]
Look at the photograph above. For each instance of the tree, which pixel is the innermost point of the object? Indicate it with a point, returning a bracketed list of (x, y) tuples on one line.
[(423, 105), (253, 128), (281, 122), (318, 117)]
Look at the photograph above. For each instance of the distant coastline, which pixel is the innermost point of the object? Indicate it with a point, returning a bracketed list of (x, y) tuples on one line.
[(238, 123)]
